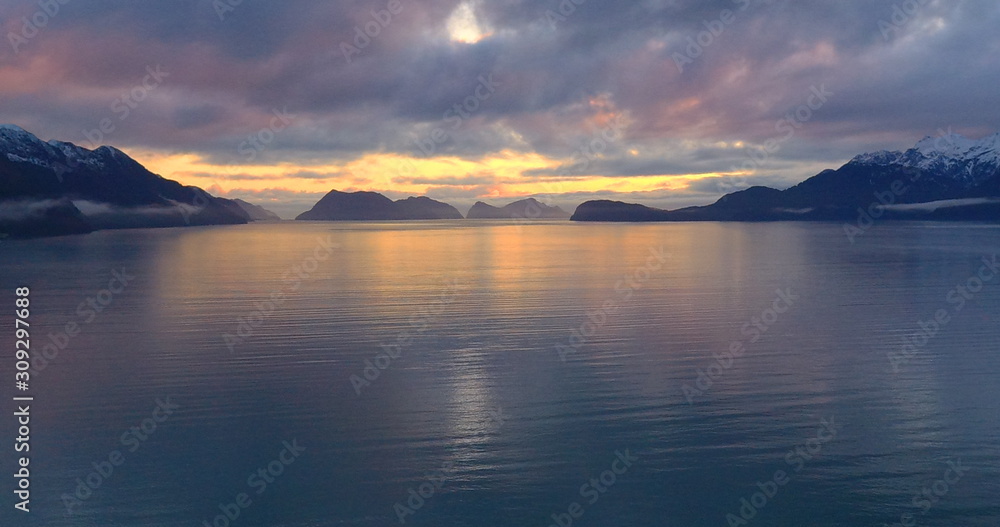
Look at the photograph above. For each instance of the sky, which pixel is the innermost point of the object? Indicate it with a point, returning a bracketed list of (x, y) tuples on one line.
[(664, 102)]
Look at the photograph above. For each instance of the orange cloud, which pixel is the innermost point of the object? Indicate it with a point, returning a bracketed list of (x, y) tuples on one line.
[(398, 173)]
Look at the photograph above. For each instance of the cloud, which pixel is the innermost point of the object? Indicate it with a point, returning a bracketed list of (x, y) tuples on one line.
[(25, 209), (285, 203), (467, 180), (93, 209), (556, 83), (931, 206)]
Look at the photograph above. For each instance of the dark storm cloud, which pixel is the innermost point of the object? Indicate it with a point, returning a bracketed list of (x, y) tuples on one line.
[(933, 68), (631, 167)]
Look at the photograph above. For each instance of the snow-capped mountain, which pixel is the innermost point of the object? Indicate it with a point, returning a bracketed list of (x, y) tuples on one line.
[(946, 178), (56, 187), (968, 161), (21, 146)]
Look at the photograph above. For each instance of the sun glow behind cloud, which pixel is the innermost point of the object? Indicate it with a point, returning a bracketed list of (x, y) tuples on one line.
[(463, 25), (560, 85)]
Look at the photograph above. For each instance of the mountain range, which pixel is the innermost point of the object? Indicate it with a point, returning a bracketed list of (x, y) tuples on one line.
[(53, 188), (372, 206), (256, 212), (945, 178), (529, 208)]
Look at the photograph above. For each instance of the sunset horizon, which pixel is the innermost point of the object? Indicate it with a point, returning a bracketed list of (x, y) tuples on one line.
[(462, 102), (503, 263)]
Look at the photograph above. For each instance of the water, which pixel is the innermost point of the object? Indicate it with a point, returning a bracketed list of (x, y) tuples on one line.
[(478, 405)]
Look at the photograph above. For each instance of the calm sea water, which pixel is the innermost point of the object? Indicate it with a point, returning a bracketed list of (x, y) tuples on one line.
[(544, 374)]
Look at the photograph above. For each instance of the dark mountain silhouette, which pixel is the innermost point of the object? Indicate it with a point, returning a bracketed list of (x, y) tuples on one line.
[(256, 212), (524, 209), (38, 218), (948, 178), (344, 206), (424, 208), (372, 206), (53, 188)]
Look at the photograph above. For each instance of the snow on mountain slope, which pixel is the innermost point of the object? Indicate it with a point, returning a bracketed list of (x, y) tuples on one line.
[(22, 146), (124, 193), (969, 161)]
